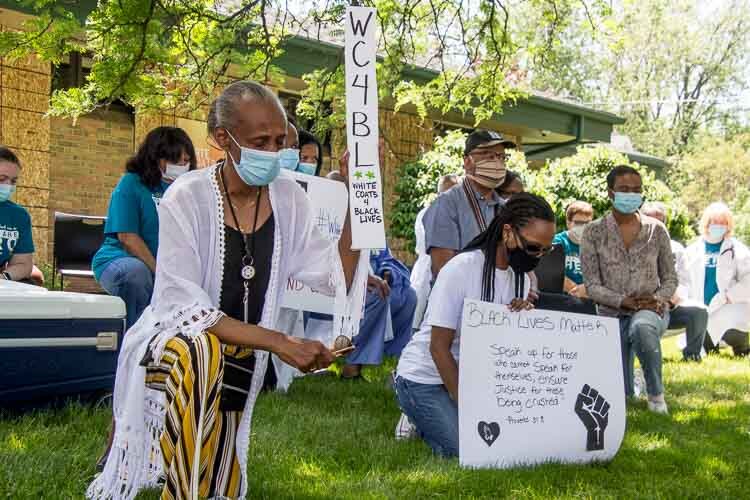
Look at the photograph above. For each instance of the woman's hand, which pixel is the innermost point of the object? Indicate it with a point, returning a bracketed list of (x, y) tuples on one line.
[(650, 303), (306, 355), (578, 291), (520, 305), (380, 286), (303, 354), (344, 166)]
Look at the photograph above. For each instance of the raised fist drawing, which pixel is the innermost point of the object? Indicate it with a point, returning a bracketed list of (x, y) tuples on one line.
[(593, 410)]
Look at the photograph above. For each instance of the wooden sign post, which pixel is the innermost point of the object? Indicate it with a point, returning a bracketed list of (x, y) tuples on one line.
[(365, 186)]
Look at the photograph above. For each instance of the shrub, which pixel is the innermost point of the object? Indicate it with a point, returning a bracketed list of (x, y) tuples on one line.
[(582, 176)]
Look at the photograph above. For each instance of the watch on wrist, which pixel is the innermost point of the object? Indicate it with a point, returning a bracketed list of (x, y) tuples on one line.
[(7, 276)]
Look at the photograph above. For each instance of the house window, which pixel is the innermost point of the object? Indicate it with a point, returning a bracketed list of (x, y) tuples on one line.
[(73, 74), (70, 74)]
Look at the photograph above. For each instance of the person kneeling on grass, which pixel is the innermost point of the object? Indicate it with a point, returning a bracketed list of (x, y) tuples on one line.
[(493, 267), (190, 369), (719, 277)]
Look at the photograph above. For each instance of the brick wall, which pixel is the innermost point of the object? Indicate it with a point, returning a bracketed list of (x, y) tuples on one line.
[(88, 158), (24, 98)]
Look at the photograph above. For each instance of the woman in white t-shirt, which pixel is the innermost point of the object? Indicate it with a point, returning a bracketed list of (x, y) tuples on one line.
[(427, 375)]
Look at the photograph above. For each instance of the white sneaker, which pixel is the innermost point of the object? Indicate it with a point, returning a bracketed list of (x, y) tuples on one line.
[(405, 429), (658, 406)]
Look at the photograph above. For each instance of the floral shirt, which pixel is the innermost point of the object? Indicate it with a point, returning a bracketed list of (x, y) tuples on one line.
[(611, 272)]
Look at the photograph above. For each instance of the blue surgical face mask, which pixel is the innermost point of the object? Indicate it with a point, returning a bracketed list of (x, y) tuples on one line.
[(6, 191), (256, 167), (307, 168), (289, 158), (716, 233), (627, 203)]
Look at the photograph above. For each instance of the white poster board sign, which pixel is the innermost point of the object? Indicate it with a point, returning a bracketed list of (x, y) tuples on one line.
[(365, 186), (329, 203), (538, 386)]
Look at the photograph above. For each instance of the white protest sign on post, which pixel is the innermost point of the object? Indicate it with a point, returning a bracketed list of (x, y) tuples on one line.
[(329, 202), (365, 186), (538, 386)]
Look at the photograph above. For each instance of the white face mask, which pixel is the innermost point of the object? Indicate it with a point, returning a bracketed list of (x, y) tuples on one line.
[(576, 233), (173, 171)]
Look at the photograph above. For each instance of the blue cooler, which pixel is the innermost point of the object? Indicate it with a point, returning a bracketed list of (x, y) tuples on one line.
[(56, 343)]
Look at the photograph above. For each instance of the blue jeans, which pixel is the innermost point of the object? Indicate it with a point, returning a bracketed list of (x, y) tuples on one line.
[(695, 320), (370, 341), (433, 412), (131, 280), (640, 334)]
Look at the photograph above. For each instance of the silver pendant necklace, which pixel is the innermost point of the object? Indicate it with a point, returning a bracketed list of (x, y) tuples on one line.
[(247, 272)]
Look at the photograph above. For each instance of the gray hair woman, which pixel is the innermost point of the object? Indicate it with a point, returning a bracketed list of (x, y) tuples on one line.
[(191, 368), (719, 267)]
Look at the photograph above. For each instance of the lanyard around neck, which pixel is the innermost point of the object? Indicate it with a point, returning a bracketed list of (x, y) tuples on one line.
[(478, 215)]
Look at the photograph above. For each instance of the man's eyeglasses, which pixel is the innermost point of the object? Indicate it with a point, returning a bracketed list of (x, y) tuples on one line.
[(533, 248), (491, 155)]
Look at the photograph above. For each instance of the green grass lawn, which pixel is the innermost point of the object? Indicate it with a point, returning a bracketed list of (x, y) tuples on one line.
[(332, 438)]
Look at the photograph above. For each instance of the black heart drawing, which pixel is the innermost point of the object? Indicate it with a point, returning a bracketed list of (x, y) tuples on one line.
[(489, 432)]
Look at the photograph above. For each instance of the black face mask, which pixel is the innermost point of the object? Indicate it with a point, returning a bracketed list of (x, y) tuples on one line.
[(522, 262)]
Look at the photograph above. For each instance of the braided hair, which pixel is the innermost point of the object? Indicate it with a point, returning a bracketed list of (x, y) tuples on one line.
[(517, 212)]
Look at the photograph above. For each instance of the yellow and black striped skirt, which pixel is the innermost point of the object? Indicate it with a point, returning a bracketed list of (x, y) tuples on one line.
[(206, 385)]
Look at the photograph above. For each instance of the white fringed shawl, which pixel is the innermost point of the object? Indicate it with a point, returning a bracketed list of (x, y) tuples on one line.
[(186, 298)]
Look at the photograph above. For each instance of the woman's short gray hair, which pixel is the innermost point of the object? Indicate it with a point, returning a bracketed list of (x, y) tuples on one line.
[(223, 111)]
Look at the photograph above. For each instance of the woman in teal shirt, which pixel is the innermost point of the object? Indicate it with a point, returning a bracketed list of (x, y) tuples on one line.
[(16, 244), (125, 264), (577, 215), (719, 277)]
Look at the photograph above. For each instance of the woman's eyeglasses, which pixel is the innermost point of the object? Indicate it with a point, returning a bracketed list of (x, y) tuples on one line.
[(577, 223), (533, 248)]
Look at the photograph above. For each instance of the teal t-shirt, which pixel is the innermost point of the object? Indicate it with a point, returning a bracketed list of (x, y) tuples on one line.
[(15, 231), (572, 257), (710, 287), (132, 209)]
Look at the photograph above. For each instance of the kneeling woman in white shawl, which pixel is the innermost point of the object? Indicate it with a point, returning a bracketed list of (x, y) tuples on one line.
[(191, 368)]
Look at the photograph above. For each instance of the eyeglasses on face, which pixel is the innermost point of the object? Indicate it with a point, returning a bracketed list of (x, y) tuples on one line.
[(532, 248), (488, 154), (577, 223)]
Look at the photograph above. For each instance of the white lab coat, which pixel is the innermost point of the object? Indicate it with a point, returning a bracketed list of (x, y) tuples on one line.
[(730, 308)]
